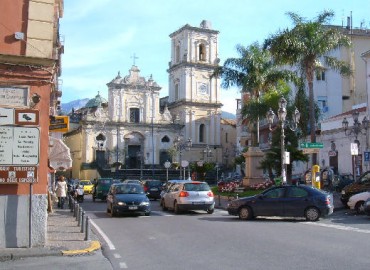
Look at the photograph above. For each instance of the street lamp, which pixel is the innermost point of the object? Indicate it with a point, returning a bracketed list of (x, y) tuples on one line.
[(357, 128), (282, 113), (181, 146), (207, 153), (167, 165)]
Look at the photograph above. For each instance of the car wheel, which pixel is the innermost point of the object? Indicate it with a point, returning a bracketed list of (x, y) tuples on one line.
[(164, 208), (210, 210), (245, 213), (359, 207), (147, 214), (312, 214), (176, 208)]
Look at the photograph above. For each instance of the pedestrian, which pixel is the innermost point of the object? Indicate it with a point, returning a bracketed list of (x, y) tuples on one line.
[(61, 191)]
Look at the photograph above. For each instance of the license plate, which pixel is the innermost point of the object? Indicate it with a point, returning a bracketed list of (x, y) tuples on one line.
[(132, 207), (154, 189), (198, 202)]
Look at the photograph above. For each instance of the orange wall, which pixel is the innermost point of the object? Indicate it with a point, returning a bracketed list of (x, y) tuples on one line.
[(13, 18)]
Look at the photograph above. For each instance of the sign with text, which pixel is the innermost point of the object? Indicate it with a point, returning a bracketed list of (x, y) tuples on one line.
[(14, 96), (59, 124), (19, 146), (312, 145), (18, 174)]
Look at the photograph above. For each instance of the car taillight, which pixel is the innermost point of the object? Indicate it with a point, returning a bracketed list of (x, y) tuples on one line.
[(184, 194), (145, 188), (210, 194), (327, 201)]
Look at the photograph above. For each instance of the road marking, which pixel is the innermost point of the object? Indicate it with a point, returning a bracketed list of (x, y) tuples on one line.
[(105, 237), (122, 265), (338, 227), (116, 255)]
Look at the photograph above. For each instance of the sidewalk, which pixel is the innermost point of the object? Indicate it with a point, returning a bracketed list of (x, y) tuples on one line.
[(64, 238)]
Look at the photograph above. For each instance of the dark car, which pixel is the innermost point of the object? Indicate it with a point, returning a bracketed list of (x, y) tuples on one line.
[(341, 181), (367, 207), (101, 188), (285, 201), (360, 185), (153, 188), (126, 198)]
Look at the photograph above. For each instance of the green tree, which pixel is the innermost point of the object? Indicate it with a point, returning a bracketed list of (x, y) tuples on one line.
[(254, 72), (304, 46)]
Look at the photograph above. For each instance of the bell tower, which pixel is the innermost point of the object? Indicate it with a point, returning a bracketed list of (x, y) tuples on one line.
[(194, 97)]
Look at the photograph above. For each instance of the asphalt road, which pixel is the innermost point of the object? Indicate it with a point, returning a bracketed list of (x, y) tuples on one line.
[(197, 240)]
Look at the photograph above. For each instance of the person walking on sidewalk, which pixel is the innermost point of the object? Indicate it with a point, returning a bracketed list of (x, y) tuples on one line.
[(61, 191)]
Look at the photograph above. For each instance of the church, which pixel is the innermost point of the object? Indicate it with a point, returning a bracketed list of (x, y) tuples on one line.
[(135, 129)]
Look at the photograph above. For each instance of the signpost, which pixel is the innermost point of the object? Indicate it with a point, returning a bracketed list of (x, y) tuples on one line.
[(312, 145)]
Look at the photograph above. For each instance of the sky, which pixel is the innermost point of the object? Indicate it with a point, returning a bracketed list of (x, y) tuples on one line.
[(102, 36)]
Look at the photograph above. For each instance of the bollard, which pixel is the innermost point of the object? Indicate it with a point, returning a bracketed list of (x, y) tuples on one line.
[(79, 216), (87, 231), (76, 211), (219, 200), (82, 221)]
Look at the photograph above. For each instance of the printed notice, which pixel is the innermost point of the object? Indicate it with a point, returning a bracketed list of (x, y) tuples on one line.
[(19, 146)]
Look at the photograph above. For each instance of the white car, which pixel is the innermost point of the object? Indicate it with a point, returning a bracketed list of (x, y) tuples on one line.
[(188, 195), (357, 201)]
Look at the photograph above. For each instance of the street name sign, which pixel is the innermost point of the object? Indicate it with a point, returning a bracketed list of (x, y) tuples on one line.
[(312, 145), (311, 150)]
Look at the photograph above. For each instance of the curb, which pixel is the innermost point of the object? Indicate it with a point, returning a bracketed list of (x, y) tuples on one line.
[(95, 245)]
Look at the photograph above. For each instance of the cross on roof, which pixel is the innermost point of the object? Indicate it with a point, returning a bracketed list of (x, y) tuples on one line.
[(134, 57)]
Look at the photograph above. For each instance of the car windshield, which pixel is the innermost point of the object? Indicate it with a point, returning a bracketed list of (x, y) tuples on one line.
[(154, 183), (85, 183), (129, 189), (196, 187)]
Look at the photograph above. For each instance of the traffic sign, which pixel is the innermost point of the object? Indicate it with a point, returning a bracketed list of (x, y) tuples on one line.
[(311, 150), (312, 145)]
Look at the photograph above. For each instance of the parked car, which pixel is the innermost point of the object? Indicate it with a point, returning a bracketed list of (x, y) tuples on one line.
[(87, 186), (357, 201), (101, 188), (341, 181), (127, 198), (133, 181), (166, 186), (153, 188), (188, 195), (367, 207), (361, 185), (285, 201)]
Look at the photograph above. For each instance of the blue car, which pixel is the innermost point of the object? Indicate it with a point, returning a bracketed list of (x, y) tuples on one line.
[(284, 201), (127, 198)]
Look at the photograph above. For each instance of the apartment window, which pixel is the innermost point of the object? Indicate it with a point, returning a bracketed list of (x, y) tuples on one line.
[(320, 75), (201, 133), (134, 115)]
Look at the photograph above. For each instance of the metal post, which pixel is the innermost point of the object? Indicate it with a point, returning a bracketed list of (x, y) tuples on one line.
[(283, 174), (87, 231), (30, 219), (75, 209), (82, 221), (80, 216)]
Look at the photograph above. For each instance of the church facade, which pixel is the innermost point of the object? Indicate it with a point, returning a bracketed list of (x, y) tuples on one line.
[(135, 128)]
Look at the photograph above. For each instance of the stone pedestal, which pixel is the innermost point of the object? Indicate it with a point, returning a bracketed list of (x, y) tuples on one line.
[(253, 174)]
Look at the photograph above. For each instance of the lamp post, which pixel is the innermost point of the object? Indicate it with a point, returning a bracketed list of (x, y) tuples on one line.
[(207, 152), (282, 113), (181, 146), (167, 165), (139, 154), (357, 128)]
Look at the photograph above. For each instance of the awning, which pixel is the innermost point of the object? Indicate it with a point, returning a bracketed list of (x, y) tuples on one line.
[(59, 155)]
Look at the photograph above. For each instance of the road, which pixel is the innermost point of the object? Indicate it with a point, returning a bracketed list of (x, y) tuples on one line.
[(196, 240)]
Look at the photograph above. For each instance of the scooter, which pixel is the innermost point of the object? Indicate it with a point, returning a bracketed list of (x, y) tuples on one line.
[(79, 194)]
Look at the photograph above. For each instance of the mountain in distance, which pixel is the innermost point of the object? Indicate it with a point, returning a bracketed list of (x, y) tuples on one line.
[(80, 103)]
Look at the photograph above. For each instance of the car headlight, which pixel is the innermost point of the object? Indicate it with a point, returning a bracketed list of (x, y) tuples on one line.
[(343, 192), (121, 203), (144, 203)]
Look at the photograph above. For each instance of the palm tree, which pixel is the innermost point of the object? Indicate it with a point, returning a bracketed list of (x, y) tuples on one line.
[(254, 72), (303, 46)]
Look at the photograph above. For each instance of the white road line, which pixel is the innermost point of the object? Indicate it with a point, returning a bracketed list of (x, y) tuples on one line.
[(105, 237), (122, 265), (117, 256), (338, 227)]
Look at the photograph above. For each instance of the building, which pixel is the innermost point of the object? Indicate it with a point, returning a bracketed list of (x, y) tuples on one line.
[(30, 64), (136, 130)]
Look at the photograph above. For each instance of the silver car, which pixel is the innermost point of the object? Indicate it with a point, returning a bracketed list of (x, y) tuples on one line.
[(188, 195)]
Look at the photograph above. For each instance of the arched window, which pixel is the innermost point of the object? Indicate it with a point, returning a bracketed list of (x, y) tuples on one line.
[(201, 133), (165, 139), (176, 91), (177, 52), (202, 52)]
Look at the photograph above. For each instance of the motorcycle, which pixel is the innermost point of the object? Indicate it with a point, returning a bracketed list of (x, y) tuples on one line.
[(79, 194)]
